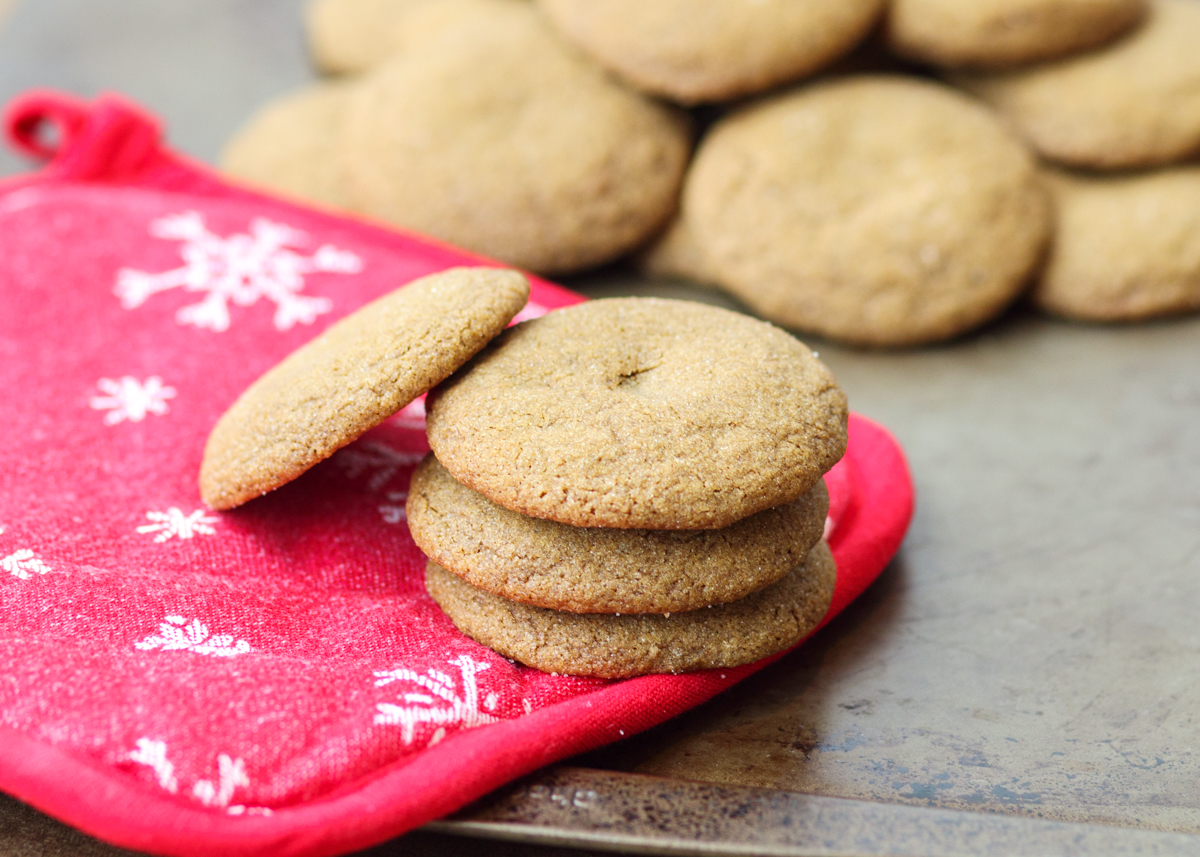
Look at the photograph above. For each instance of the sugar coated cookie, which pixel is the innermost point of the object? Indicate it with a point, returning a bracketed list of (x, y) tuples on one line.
[(597, 570), (288, 145), (877, 210), (714, 50), (1133, 103), (640, 413), (487, 132), (352, 377), (1126, 247), (761, 624), (999, 33), (350, 36)]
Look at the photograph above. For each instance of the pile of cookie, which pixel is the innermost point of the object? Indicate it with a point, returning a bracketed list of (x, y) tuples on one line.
[(907, 169), (617, 488)]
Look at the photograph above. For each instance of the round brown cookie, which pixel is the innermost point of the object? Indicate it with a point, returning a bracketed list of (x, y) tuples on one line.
[(640, 413), (595, 570), (607, 646), (350, 36), (876, 210), (715, 50), (1126, 247), (1134, 103), (352, 377), (288, 145), (485, 131), (675, 253), (1000, 33)]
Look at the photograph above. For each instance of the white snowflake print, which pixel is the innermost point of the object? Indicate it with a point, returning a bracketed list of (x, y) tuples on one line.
[(412, 415), (443, 706), (393, 512), (129, 399), (176, 634), (174, 524), (374, 458), (231, 775), (239, 268), (23, 564), (154, 754)]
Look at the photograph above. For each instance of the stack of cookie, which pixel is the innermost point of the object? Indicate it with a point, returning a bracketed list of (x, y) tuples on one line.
[(632, 486)]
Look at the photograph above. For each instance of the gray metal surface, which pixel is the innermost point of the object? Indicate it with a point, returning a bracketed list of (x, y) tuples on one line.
[(1033, 651)]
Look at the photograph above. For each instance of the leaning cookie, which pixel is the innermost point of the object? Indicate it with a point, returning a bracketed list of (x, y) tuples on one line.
[(352, 377), (716, 50), (288, 145), (487, 132), (596, 570), (1003, 33), (1133, 103), (1126, 247), (877, 210), (607, 646), (640, 413)]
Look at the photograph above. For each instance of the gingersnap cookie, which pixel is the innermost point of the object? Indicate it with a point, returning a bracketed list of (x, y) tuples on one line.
[(487, 132), (876, 210), (1002, 33), (640, 413), (761, 624), (675, 252), (350, 36), (352, 377), (716, 50), (1134, 103), (1126, 247), (288, 145), (597, 570)]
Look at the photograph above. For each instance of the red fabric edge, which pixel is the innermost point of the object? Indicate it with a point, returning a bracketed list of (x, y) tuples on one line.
[(90, 796)]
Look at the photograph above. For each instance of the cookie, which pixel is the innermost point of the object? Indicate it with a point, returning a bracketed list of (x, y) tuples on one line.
[(607, 646), (676, 252), (485, 131), (1134, 103), (1126, 247), (876, 210), (288, 145), (596, 570), (716, 50), (352, 377), (1002, 33), (640, 413), (350, 36)]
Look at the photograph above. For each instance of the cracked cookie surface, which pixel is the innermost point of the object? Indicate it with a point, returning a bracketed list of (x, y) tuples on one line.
[(640, 413)]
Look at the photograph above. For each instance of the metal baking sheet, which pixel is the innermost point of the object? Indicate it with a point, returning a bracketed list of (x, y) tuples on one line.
[(1031, 654)]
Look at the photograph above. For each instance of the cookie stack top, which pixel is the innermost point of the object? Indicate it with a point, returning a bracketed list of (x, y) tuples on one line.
[(640, 412)]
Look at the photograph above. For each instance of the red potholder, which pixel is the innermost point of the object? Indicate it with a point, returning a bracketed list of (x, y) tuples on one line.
[(272, 680)]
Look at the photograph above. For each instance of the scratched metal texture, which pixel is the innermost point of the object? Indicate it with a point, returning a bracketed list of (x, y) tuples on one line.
[(1033, 650)]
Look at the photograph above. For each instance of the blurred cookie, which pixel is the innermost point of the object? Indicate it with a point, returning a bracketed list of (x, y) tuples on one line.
[(1126, 247), (875, 210), (714, 50), (761, 624), (350, 36), (676, 252), (640, 413), (597, 570), (1000, 33), (485, 131), (352, 377), (1134, 103), (288, 145)]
